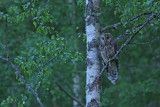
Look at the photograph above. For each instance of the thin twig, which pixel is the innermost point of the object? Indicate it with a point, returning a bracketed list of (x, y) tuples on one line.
[(40, 70), (114, 26), (38, 78), (132, 36), (18, 74), (128, 41), (69, 95), (48, 62), (5, 59), (127, 33)]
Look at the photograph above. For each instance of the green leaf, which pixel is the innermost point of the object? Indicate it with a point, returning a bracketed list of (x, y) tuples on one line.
[(115, 12), (52, 37), (35, 24), (51, 20), (39, 30)]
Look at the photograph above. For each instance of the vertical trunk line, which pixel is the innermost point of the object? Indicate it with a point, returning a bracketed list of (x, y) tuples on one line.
[(93, 63)]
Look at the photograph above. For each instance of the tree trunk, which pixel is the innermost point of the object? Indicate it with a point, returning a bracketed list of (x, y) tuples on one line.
[(93, 63)]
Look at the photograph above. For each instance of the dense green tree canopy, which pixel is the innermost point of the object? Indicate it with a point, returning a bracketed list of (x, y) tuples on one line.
[(46, 41)]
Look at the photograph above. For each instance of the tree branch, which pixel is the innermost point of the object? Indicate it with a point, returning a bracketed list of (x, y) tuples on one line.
[(18, 74), (40, 70), (69, 95), (127, 42), (5, 59), (134, 34), (114, 26), (127, 33)]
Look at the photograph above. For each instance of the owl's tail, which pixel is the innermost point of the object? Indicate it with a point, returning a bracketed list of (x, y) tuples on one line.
[(112, 72)]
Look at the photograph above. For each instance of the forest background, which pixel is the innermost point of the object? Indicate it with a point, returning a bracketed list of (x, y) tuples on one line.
[(43, 53)]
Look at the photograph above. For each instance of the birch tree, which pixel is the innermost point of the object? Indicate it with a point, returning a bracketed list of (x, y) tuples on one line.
[(93, 62), (93, 31), (39, 65)]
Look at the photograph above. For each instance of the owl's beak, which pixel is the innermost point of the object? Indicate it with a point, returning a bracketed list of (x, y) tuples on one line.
[(105, 41)]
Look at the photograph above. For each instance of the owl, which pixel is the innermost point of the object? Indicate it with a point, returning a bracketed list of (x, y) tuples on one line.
[(108, 48)]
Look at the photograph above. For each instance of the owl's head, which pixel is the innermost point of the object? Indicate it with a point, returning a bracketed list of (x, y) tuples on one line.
[(106, 38)]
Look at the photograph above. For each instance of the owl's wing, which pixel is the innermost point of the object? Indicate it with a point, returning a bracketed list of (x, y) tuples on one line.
[(113, 67), (103, 53), (104, 56)]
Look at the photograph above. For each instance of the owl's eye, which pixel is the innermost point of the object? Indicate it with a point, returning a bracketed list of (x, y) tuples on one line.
[(107, 37), (103, 38)]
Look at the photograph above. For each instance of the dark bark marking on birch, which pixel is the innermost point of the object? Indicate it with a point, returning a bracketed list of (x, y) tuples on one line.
[(91, 13), (89, 9), (89, 46), (93, 103), (92, 30), (89, 62), (94, 43), (90, 87)]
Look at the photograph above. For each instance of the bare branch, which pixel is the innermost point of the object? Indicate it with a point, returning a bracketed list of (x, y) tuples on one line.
[(4, 48), (127, 33), (131, 37), (114, 26), (69, 95), (18, 74), (48, 62), (38, 78), (127, 42), (104, 68), (5, 59)]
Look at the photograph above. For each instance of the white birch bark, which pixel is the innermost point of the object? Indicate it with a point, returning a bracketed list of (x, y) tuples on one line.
[(93, 63)]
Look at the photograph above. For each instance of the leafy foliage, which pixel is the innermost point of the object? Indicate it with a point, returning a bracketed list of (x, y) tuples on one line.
[(36, 31)]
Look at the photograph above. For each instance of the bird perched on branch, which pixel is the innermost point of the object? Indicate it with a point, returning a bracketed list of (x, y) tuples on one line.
[(108, 49)]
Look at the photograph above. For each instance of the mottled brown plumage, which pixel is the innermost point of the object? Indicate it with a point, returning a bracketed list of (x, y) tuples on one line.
[(108, 49)]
